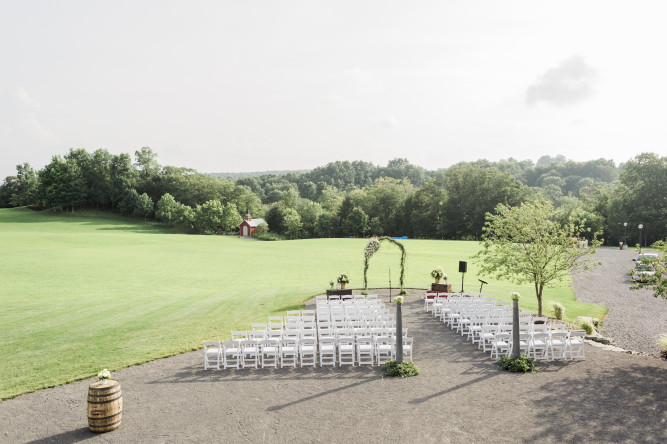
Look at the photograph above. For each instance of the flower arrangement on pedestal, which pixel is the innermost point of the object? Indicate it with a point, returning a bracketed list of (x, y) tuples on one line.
[(343, 279), (438, 273)]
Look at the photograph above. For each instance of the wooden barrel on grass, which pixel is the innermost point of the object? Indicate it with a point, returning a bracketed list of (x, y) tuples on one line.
[(105, 406)]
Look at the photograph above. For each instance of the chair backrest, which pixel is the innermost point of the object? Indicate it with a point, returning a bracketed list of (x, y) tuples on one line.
[(289, 343), (238, 335), (248, 343), (211, 345), (259, 326), (577, 334), (307, 342), (230, 345), (275, 334), (258, 334), (291, 334)]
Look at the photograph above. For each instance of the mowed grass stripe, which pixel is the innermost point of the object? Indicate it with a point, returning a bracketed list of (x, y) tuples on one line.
[(89, 291)]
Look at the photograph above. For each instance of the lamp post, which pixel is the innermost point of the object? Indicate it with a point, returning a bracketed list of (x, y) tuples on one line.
[(625, 234), (640, 226)]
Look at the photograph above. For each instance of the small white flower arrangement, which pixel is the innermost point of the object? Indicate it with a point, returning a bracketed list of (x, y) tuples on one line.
[(104, 374), (331, 283), (398, 299), (515, 295), (343, 278), (438, 273)]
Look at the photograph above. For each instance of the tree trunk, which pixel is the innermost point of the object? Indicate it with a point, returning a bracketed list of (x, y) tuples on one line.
[(516, 348), (399, 334), (539, 299)]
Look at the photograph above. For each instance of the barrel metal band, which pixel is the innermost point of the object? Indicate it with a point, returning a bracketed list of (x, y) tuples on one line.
[(101, 427), (102, 396), (105, 402), (97, 418)]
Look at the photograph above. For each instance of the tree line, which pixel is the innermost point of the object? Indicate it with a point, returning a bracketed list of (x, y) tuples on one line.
[(355, 198)]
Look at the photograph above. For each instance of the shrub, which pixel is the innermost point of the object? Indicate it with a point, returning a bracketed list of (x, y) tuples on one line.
[(662, 344), (559, 311), (587, 326), (262, 228), (404, 369), (268, 236), (521, 364)]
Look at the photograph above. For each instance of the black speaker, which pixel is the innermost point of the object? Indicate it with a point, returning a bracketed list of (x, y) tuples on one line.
[(463, 267)]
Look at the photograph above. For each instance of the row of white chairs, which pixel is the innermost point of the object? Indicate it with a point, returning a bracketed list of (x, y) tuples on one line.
[(488, 323), (288, 352), (356, 331)]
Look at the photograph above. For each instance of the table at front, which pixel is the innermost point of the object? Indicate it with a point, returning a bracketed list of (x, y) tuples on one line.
[(339, 292)]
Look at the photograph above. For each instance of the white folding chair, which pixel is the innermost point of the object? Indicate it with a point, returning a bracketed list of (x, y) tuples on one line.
[(365, 350), (288, 352), (212, 354), (407, 348), (539, 343), (575, 343), (238, 336), (231, 354), (249, 353), (384, 349), (308, 351), (345, 350), (270, 352), (501, 344), (327, 351), (557, 344)]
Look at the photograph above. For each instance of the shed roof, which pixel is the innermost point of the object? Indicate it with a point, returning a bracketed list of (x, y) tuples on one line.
[(254, 222)]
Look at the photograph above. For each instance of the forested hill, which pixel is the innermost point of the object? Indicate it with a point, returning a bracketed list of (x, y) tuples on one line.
[(354, 198), (255, 174)]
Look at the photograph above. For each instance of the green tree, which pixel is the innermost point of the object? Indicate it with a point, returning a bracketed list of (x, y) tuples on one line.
[(525, 244), (27, 190), (292, 223), (274, 217), (143, 206), (472, 192), (356, 222), (309, 212), (209, 216), (644, 196), (326, 225), (61, 184), (167, 209), (231, 219)]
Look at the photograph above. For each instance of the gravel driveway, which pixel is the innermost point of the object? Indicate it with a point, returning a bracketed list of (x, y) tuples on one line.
[(459, 397), (635, 318)]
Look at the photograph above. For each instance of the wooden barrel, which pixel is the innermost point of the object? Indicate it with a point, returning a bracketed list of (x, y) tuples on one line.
[(105, 406)]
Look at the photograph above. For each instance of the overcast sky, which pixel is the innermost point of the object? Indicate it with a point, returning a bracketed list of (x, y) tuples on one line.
[(229, 86)]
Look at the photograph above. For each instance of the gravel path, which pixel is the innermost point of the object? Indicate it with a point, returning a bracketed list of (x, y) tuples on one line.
[(635, 318), (459, 397)]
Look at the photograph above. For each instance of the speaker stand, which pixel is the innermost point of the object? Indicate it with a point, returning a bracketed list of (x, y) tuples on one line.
[(462, 276)]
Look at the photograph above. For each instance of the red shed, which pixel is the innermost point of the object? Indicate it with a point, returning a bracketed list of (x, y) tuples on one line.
[(249, 225)]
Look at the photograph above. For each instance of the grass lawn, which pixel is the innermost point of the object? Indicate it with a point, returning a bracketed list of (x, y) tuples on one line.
[(85, 291)]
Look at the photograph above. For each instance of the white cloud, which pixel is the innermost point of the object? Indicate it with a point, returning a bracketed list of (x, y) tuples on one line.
[(571, 82), (23, 98)]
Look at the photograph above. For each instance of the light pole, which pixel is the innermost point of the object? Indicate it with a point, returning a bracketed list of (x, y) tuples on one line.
[(640, 226), (625, 234)]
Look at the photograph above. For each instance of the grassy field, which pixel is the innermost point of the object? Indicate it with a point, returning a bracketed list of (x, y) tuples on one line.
[(89, 291)]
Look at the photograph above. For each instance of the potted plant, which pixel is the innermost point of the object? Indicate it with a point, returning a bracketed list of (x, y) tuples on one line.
[(438, 273), (343, 280)]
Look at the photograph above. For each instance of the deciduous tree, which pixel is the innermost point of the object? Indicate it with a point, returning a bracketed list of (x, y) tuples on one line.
[(525, 244)]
